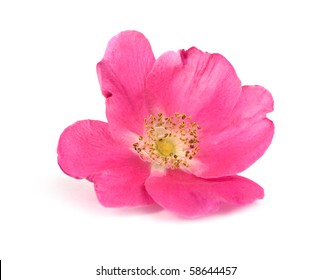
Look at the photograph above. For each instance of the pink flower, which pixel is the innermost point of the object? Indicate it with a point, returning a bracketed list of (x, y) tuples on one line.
[(179, 130)]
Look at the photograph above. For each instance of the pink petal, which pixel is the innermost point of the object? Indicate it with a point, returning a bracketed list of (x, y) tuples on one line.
[(87, 150), (254, 102), (190, 196), (204, 86), (243, 137), (122, 73), (123, 185), (86, 147)]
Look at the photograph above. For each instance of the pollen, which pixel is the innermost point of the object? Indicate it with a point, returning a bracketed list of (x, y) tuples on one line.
[(168, 141)]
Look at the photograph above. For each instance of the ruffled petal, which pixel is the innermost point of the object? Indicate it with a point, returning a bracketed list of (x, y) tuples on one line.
[(122, 73), (190, 196), (254, 102), (87, 150), (123, 184), (86, 147), (242, 139), (202, 85)]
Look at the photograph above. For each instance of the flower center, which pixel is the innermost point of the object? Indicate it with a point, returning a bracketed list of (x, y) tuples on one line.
[(171, 141), (165, 147)]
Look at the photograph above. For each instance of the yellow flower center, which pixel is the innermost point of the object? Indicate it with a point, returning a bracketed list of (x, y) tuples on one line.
[(165, 147), (171, 142)]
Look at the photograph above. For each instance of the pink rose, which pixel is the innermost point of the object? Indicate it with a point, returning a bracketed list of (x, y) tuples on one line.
[(179, 130)]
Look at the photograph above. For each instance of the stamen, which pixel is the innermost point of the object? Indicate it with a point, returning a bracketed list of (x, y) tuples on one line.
[(168, 141)]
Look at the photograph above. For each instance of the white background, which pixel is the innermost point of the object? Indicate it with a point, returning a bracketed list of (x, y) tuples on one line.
[(52, 226)]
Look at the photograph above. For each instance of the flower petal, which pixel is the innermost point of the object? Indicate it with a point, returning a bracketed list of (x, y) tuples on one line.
[(87, 150), (123, 185), (254, 102), (86, 147), (243, 137), (122, 73), (202, 85), (190, 196)]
